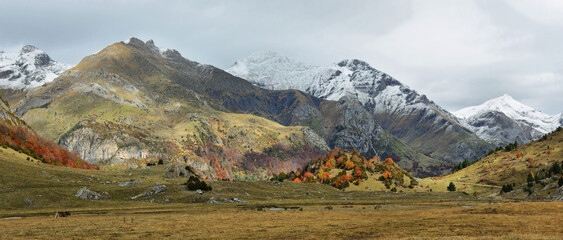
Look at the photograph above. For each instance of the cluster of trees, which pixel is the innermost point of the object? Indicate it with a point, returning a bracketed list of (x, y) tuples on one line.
[(556, 169), (194, 183), (351, 165), (463, 165), (27, 142), (347, 167), (507, 148)]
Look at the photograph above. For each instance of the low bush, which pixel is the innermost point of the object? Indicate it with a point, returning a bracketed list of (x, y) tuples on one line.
[(195, 183)]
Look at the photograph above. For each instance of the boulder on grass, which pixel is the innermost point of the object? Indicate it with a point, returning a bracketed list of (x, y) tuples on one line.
[(154, 190), (85, 193)]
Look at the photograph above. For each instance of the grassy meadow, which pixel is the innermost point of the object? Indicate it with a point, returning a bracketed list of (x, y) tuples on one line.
[(274, 210)]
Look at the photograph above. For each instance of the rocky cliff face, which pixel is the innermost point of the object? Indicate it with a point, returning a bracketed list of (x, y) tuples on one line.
[(110, 143)]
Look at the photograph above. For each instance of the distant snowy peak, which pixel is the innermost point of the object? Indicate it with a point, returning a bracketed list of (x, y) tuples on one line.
[(28, 68), (505, 104), (513, 109)]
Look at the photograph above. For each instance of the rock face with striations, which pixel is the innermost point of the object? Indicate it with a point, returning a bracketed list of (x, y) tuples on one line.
[(108, 143)]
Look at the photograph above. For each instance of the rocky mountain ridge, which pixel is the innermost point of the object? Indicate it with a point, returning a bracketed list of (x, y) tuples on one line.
[(400, 110)]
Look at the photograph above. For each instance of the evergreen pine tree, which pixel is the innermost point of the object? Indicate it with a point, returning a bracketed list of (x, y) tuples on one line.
[(451, 187)]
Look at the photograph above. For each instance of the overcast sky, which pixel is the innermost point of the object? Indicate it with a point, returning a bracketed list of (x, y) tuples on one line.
[(458, 53)]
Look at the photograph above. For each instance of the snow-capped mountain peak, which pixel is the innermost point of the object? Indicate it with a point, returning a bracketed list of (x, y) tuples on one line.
[(504, 119), (513, 109), (28, 68), (504, 103)]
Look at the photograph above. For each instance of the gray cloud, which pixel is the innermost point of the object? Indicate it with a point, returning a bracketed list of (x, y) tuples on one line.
[(458, 53)]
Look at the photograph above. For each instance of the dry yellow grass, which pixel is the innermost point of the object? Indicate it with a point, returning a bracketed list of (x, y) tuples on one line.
[(197, 221), (504, 167)]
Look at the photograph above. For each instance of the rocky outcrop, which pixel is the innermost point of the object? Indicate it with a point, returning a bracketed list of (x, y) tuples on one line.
[(358, 130), (152, 191), (85, 193), (35, 102), (213, 200), (315, 139), (107, 143), (129, 183)]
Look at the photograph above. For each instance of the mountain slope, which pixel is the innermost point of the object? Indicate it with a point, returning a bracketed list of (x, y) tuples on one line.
[(514, 167), (28, 68), (16, 134), (133, 100), (400, 110), (504, 120)]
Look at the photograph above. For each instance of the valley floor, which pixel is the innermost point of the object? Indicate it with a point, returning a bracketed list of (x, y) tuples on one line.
[(346, 220), (31, 193)]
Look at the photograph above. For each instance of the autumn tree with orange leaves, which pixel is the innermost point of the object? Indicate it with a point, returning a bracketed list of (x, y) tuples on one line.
[(357, 172), (387, 174), (349, 164)]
